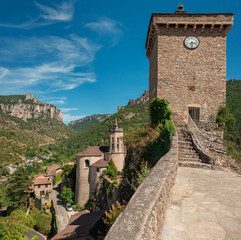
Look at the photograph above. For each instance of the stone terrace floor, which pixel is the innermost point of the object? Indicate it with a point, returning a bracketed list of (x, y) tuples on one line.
[(204, 205)]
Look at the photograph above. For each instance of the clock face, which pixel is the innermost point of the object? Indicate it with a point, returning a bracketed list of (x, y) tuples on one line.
[(191, 42)]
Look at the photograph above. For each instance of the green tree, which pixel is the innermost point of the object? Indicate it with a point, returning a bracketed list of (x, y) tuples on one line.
[(112, 213), (113, 167), (67, 195), (67, 169), (18, 188), (15, 226), (161, 115), (224, 118), (3, 171), (159, 111), (35, 169)]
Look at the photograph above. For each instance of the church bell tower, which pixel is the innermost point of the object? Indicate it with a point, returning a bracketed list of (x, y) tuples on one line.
[(116, 146)]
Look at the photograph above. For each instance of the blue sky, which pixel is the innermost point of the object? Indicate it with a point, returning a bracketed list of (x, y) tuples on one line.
[(88, 57)]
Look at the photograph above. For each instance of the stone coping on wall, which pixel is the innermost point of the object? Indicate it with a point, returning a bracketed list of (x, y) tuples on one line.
[(143, 215), (218, 162), (194, 131)]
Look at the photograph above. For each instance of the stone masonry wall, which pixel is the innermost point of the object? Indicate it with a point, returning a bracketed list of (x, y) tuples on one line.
[(189, 77), (204, 69), (142, 217), (153, 73), (82, 187)]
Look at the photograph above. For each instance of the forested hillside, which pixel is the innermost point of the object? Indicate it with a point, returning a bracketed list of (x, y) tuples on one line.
[(135, 116), (86, 122), (233, 132), (19, 138)]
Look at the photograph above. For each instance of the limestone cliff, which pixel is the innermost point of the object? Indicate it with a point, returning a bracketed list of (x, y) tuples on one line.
[(28, 107), (141, 100)]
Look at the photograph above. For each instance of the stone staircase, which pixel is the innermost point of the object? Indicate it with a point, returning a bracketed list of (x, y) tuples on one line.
[(187, 155)]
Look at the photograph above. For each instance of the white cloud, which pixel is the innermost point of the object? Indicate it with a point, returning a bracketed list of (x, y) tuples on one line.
[(59, 13), (107, 27), (57, 102), (63, 12), (68, 117), (68, 109), (46, 64)]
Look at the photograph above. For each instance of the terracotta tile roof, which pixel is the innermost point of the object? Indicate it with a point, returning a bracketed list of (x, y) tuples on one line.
[(69, 163), (40, 180), (79, 224), (100, 163), (91, 151), (39, 175), (54, 166), (51, 172)]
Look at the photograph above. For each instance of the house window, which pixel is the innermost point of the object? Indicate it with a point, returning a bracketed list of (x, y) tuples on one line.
[(42, 193), (191, 88), (87, 163), (98, 170), (38, 186), (46, 185)]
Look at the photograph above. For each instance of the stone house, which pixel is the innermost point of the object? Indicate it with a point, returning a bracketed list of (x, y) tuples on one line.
[(53, 170), (42, 185), (91, 162)]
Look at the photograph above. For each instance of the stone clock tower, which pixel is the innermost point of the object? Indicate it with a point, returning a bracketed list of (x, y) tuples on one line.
[(187, 54)]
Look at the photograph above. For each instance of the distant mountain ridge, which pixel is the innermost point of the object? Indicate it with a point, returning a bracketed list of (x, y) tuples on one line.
[(86, 122), (144, 98), (28, 107)]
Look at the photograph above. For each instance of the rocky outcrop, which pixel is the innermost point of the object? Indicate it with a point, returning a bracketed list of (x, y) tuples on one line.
[(28, 107), (144, 98), (98, 117)]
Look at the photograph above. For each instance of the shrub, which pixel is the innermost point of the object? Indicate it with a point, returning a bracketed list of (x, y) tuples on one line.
[(161, 115), (43, 221), (67, 195), (159, 111), (224, 117), (110, 172), (113, 167), (112, 214), (144, 171)]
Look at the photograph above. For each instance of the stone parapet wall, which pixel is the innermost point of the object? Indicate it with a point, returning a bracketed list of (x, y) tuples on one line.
[(142, 217), (215, 157), (195, 135), (211, 137)]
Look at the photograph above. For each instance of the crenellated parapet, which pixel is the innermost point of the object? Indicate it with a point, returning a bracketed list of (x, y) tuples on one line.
[(201, 24)]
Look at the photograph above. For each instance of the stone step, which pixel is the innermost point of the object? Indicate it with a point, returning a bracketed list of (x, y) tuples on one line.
[(190, 159), (182, 139), (188, 155), (194, 164), (186, 148), (183, 145), (184, 142)]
